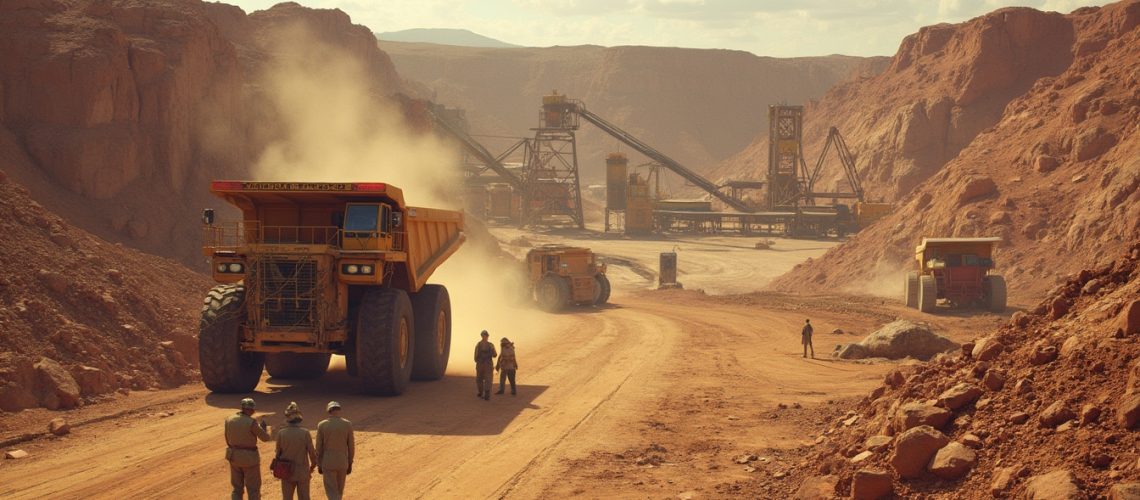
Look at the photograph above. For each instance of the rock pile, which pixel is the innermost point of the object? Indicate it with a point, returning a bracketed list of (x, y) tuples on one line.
[(81, 317), (1067, 425)]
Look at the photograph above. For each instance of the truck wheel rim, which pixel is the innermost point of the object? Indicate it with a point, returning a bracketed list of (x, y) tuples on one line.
[(440, 332), (549, 294), (403, 340)]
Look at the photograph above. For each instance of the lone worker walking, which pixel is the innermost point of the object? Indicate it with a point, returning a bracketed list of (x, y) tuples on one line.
[(506, 365), (335, 450), (242, 433), (295, 444), (484, 366), (806, 334)]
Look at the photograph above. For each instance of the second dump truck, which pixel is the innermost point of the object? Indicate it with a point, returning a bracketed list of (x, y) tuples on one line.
[(314, 269)]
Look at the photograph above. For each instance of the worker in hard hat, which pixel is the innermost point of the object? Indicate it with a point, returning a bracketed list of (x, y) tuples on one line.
[(336, 448), (484, 365), (506, 365), (295, 444), (242, 433)]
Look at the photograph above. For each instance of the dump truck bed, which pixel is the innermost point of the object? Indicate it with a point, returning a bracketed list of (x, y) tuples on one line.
[(432, 236)]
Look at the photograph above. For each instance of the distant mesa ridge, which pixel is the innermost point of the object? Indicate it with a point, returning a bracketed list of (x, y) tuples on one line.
[(444, 36)]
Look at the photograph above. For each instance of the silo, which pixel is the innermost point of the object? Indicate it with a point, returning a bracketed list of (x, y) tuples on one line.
[(617, 181)]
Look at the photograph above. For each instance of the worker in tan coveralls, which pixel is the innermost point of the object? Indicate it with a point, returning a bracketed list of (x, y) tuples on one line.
[(295, 444), (506, 365), (242, 433), (335, 451), (484, 366)]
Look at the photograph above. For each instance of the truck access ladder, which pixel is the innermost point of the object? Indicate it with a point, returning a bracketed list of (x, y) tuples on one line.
[(661, 158)]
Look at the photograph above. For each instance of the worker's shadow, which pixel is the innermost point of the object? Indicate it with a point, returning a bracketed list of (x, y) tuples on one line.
[(444, 407)]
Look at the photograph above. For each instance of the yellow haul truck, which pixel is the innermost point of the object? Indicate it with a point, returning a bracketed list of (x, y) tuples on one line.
[(316, 269)]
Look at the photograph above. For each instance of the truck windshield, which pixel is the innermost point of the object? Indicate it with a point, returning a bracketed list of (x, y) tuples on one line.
[(360, 218)]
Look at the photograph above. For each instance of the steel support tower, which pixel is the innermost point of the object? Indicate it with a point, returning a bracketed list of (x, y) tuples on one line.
[(552, 190)]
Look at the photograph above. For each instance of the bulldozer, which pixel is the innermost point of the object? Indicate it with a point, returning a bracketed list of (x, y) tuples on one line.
[(562, 275), (314, 269), (957, 271)]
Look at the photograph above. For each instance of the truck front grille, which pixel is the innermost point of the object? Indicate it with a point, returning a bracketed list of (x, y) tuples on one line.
[(287, 293)]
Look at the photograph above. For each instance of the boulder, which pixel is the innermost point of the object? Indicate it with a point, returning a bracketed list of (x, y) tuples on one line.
[(1043, 354), (912, 415), (1056, 414), (1124, 491), (93, 381), (878, 443), (15, 454), (1128, 321), (1045, 163), (871, 484), (971, 440), (1056, 485), (952, 461), (986, 349), (975, 187), (958, 396), (1003, 479), (994, 380), (817, 487), (1059, 307), (59, 427), (1093, 142), (17, 382), (850, 351), (1128, 412), (902, 339), (58, 389), (914, 449)]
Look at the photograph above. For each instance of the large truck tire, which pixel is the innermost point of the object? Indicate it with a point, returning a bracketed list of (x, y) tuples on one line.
[(432, 309), (995, 293), (927, 293), (385, 341), (297, 365), (552, 293), (603, 284), (224, 366), (910, 289)]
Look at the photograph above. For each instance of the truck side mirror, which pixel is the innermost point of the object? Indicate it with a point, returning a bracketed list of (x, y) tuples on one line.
[(208, 216), (397, 219)]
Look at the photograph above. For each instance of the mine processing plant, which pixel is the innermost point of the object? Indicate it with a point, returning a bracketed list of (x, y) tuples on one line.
[(546, 189)]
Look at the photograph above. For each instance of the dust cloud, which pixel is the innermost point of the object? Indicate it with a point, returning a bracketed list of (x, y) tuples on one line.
[(885, 280), (334, 126)]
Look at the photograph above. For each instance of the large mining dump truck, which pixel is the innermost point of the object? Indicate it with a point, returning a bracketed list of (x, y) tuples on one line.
[(561, 275), (957, 271), (316, 269)]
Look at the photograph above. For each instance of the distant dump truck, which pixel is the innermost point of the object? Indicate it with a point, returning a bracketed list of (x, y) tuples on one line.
[(562, 275), (956, 270), (316, 269)]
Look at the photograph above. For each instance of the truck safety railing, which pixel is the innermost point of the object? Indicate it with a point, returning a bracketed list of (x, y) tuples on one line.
[(230, 236)]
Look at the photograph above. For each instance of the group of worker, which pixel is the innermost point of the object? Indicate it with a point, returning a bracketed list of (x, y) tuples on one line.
[(331, 456), (334, 450)]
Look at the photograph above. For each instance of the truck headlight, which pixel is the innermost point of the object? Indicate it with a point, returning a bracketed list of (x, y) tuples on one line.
[(365, 269), (221, 268), (235, 267), (352, 269)]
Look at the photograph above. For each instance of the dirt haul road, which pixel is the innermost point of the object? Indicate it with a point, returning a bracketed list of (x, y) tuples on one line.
[(689, 376)]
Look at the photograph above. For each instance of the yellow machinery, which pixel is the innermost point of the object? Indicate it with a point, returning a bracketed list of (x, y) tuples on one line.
[(315, 269), (957, 271), (867, 212), (562, 275)]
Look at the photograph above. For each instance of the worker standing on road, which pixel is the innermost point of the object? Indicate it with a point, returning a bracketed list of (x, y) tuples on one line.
[(484, 365), (295, 444), (506, 365), (242, 433), (336, 449), (806, 334)]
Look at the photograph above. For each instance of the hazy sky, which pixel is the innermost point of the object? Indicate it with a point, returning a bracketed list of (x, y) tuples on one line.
[(763, 27)]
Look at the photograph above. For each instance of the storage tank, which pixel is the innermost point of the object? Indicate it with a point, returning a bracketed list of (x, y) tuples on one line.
[(617, 180), (553, 105)]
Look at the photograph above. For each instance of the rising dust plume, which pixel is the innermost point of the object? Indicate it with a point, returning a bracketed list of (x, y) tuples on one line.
[(333, 125)]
